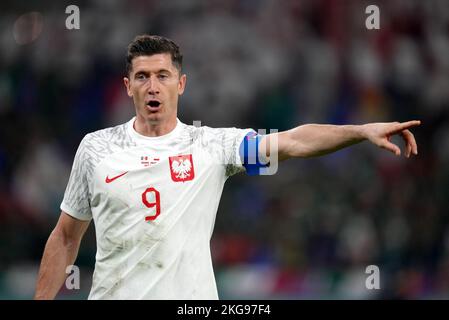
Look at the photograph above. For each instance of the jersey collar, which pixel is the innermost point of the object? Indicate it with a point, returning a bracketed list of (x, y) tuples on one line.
[(162, 138)]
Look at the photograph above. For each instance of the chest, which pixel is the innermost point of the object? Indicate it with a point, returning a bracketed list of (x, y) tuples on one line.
[(143, 183)]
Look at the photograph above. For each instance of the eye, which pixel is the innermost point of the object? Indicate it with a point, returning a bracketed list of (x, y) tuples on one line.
[(162, 76), (141, 76)]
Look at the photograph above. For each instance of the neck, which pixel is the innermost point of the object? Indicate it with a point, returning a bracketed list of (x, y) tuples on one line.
[(154, 128)]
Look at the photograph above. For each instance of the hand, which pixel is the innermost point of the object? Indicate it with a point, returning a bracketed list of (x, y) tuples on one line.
[(380, 134)]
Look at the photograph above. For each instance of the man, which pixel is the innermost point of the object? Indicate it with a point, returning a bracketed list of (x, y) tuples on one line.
[(153, 185)]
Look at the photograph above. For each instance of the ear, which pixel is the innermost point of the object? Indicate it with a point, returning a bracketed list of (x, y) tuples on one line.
[(126, 82), (182, 84)]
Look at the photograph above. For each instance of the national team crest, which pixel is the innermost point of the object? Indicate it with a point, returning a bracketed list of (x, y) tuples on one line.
[(181, 168)]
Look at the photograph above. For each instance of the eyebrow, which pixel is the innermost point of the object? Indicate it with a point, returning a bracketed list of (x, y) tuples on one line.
[(145, 72)]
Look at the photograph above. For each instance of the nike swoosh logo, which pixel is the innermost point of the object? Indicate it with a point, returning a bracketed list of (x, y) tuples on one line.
[(109, 180)]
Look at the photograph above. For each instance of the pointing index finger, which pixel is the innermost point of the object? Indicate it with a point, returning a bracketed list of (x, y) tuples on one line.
[(406, 125)]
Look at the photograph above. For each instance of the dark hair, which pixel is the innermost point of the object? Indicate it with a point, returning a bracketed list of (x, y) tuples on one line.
[(147, 45)]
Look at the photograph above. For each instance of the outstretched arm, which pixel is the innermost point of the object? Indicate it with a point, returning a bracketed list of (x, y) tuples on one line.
[(313, 140)]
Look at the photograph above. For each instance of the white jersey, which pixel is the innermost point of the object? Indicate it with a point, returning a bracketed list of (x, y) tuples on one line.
[(153, 201)]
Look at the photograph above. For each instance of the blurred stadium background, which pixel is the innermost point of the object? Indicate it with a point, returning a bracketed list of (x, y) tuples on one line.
[(307, 232)]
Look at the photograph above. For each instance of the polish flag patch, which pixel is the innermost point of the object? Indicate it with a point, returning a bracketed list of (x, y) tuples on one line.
[(181, 168)]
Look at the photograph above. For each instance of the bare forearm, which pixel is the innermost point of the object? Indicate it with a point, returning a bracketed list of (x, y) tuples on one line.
[(312, 140), (58, 254)]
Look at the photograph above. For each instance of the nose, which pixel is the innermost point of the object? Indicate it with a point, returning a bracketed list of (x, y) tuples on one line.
[(153, 88)]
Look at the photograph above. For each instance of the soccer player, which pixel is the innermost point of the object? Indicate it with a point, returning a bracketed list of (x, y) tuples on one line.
[(153, 185)]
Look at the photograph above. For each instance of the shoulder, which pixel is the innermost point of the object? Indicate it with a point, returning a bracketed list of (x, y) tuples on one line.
[(220, 142), (206, 133), (96, 145)]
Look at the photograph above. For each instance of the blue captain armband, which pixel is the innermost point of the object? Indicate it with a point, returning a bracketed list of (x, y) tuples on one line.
[(249, 154)]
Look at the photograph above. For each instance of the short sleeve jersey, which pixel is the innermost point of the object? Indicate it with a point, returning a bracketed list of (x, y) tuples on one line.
[(153, 201)]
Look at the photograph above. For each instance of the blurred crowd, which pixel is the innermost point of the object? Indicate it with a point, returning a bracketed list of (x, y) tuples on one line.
[(309, 231)]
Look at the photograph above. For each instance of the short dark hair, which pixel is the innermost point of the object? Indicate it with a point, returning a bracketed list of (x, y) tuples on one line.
[(147, 45)]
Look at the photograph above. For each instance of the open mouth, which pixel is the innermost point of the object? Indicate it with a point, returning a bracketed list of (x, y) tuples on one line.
[(153, 104)]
